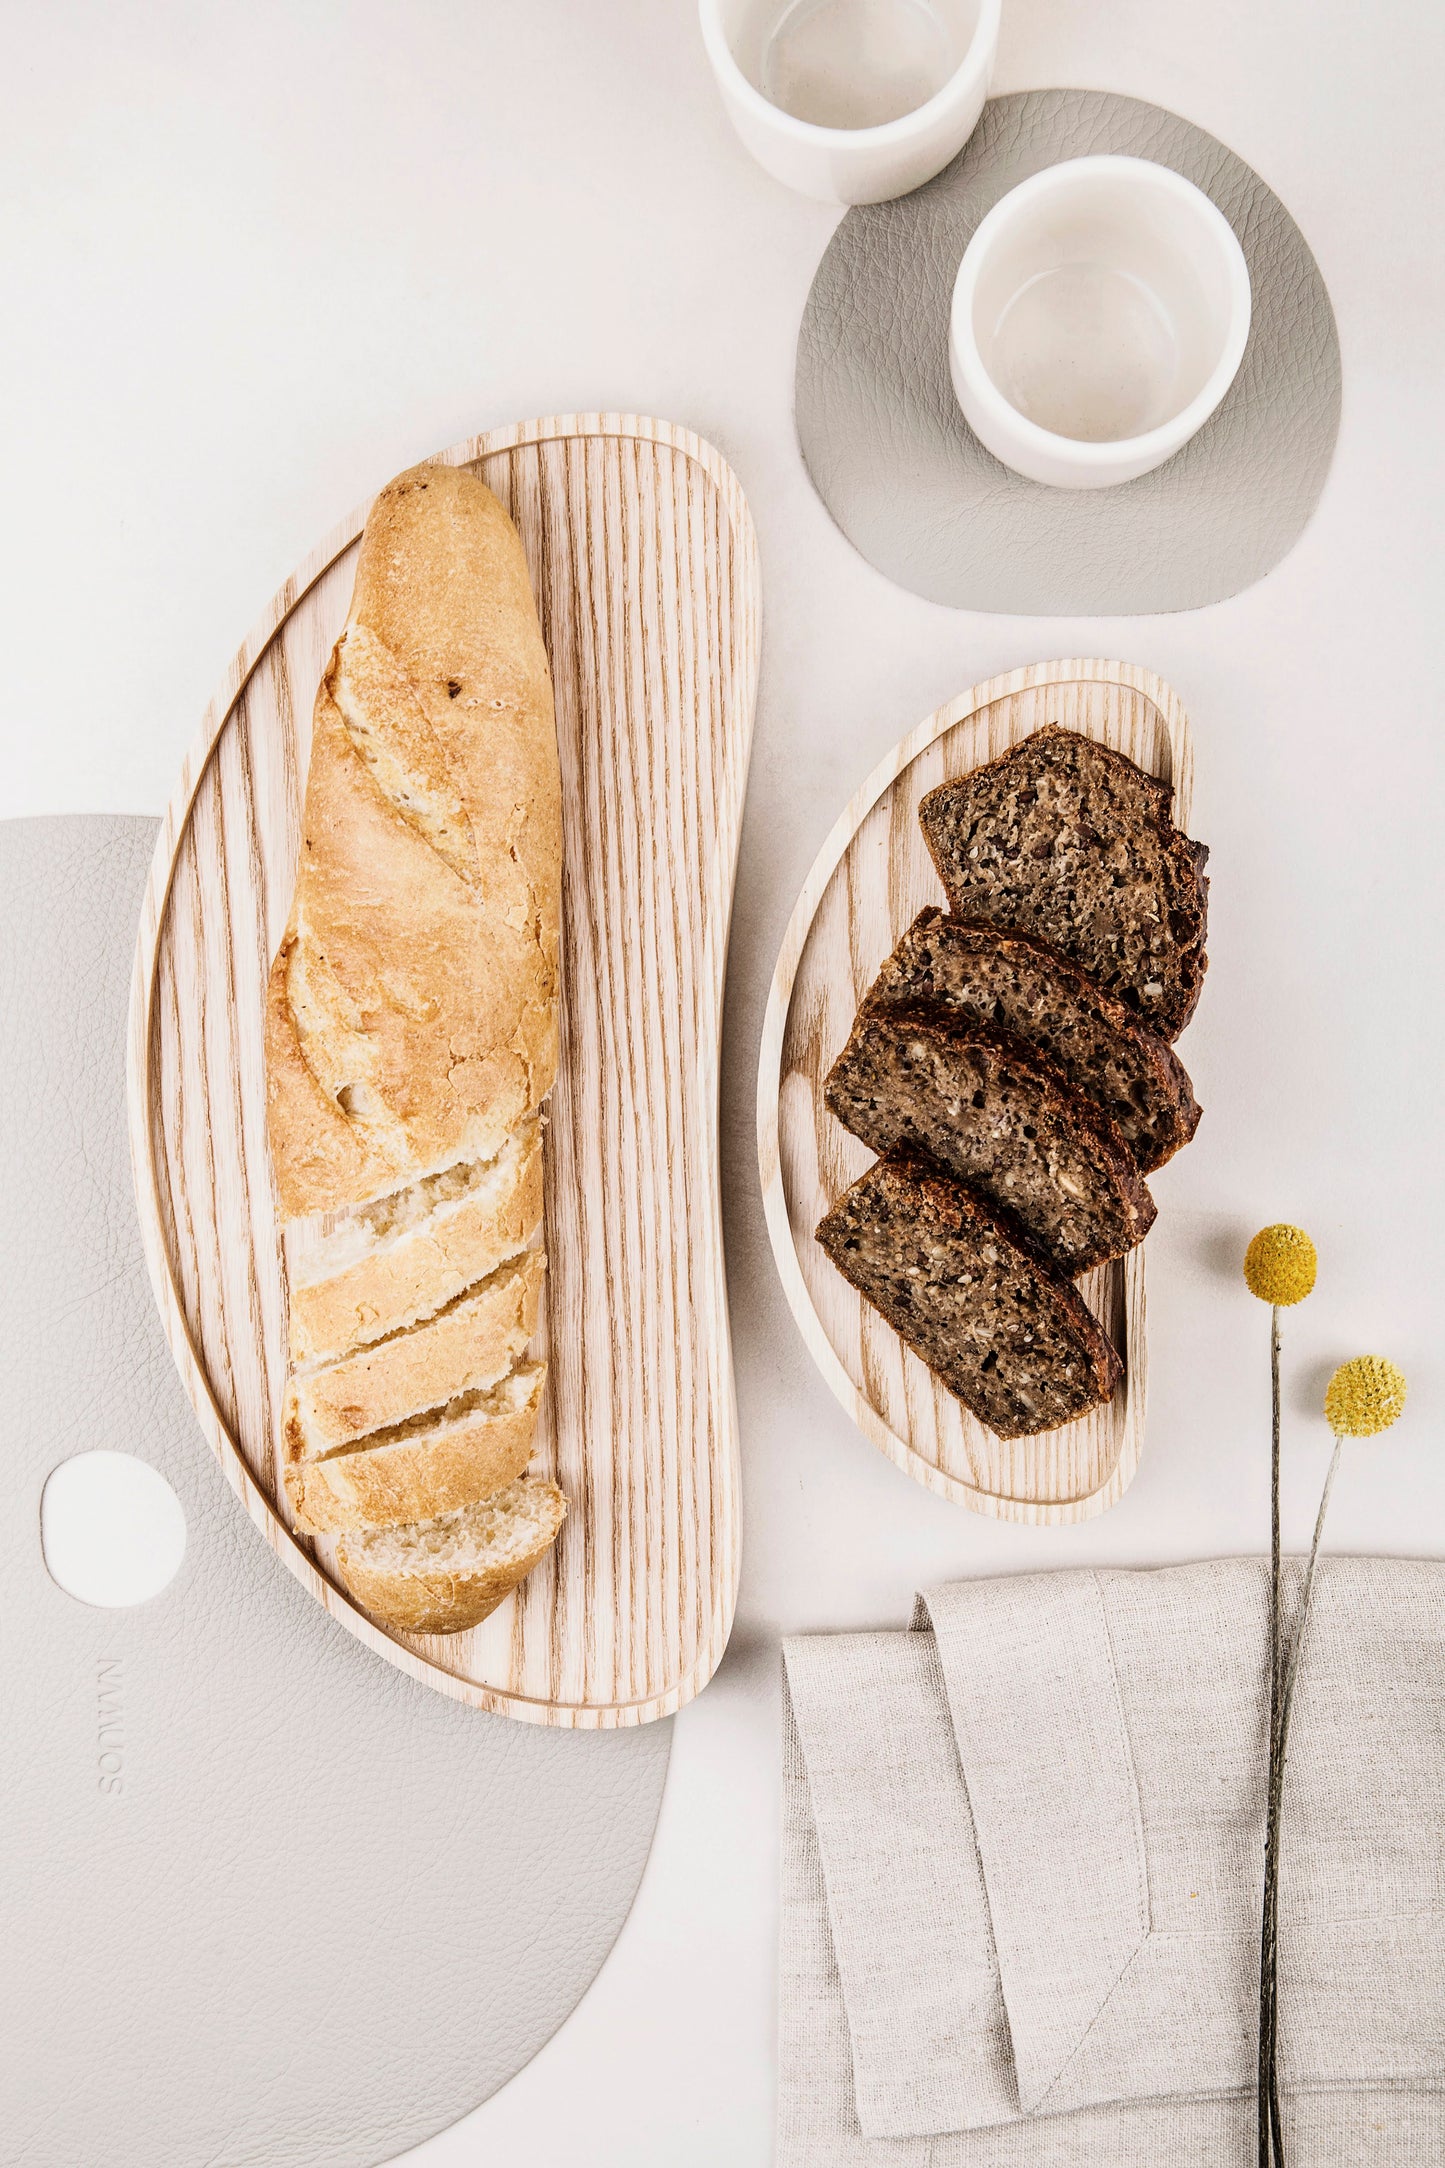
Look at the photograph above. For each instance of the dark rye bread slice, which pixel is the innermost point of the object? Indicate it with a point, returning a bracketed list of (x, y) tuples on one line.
[(974, 1099), (977, 974), (1068, 840), (996, 1323)]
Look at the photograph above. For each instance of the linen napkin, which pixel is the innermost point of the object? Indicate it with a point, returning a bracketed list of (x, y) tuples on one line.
[(1023, 1855)]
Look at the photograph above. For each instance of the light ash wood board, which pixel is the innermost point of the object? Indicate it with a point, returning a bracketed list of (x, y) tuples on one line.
[(644, 564), (870, 880)]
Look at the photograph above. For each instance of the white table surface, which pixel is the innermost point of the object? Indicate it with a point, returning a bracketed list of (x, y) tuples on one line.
[(257, 259)]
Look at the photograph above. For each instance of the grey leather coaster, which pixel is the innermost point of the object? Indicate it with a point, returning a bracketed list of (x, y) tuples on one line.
[(914, 490), (325, 1911)]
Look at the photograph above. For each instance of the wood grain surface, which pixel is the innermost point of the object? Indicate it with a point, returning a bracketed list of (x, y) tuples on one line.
[(870, 880), (644, 564)]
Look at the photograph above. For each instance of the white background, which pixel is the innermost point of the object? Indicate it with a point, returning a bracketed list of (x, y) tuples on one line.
[(257, 258)]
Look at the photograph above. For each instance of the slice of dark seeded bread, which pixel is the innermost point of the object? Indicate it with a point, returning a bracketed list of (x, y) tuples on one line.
[(1066, 839), (979, 975), (975, 1100), (998, 1325)]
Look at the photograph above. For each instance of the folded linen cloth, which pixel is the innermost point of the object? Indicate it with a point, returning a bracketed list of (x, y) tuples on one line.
[(1023, 1856)]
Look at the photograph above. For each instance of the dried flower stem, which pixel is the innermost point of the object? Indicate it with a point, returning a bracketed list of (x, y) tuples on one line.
[(1279, 1755), (1269, 2140), (1297, 1643)]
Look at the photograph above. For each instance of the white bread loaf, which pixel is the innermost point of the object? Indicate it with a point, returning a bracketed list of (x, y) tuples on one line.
[(411, 1025)]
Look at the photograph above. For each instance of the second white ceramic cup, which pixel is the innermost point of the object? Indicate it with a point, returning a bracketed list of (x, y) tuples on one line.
[(852, 101), (1100, 314)]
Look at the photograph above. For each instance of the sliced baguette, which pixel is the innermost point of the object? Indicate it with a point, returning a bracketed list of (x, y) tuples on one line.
[(355, 1276), (432, 1464), (411, 1025), (470, 1345), (446, 1574)]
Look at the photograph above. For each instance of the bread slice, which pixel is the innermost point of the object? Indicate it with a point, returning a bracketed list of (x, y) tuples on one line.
[(431, 1464), (1068, 840), (973, 1099), (356, 1275), (469, 1345), (1002, 1329), (978, 975), (443, 1575)]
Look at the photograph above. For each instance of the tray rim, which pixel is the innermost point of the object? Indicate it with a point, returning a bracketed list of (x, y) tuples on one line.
[(993, 1505), (293, 591)]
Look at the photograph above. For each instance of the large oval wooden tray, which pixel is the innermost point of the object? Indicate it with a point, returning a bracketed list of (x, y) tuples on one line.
[(871, 878), (644, 563)]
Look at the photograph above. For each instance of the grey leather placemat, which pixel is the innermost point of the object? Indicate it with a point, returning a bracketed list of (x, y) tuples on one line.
[(914, 490), (328, 1911)]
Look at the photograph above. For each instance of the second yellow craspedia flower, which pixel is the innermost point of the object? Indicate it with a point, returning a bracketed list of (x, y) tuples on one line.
[(1280, 1265), (1364, 1396)]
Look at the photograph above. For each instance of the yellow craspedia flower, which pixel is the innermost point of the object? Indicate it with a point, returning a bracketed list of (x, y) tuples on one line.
[(1364, 1396), (1280, 1265)]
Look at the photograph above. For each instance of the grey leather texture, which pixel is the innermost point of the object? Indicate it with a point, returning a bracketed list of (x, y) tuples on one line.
[(326, 1911), (914, 490)]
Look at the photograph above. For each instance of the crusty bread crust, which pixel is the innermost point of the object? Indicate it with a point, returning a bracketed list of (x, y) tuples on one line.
[(411, 1014), (444, 1464), (472, 1344), (447, 1600)]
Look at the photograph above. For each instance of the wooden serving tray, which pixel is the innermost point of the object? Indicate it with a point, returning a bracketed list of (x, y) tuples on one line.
[(871, 878), (644, 564)]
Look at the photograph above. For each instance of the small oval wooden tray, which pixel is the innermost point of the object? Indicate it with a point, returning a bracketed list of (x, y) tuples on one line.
[(871, 878), (644, 563)]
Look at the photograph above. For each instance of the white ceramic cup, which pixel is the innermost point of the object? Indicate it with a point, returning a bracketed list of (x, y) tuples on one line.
[(853, 101), (1099, 316)]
